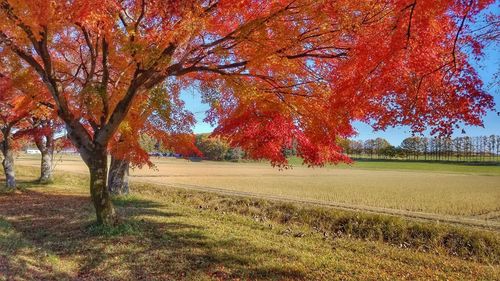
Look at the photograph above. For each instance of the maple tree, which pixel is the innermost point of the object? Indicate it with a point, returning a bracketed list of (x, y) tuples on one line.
[(275, 72), (20, 104), (11, 113)]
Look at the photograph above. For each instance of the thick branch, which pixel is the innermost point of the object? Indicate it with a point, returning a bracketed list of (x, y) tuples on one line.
[(104, 81), (142, 78)]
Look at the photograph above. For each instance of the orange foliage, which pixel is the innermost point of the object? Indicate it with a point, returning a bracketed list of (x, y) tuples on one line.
[(21, 98), (161, 116), (273, 71)]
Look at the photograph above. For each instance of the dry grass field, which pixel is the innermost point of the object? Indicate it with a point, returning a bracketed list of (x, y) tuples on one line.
[(443, 189)]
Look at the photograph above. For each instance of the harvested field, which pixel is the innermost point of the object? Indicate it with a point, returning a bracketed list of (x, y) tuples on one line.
[(470, 192)]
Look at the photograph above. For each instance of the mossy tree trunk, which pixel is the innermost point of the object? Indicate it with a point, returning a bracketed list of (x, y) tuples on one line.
[(98, 168)]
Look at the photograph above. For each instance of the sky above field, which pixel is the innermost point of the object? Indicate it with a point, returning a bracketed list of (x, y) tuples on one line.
[(486, 68)]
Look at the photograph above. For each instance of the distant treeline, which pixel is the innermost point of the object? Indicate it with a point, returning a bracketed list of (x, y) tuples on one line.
[(466, 149), (212, 148)]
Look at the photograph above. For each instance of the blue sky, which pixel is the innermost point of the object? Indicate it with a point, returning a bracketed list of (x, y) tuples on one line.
[(486, 68)]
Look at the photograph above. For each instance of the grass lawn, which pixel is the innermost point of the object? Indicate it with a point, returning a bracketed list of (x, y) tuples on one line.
[(47, 232), (428, 166)]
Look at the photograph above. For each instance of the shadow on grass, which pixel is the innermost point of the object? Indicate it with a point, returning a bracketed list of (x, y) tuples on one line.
[(150, 243), (19, 260), (22, 185)]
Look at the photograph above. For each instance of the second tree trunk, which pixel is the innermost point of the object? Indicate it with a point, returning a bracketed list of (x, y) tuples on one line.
[(46, 146), (118, 176), (46, 167)]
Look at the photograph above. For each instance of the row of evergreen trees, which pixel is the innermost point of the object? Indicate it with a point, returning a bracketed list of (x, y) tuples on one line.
[(467, 149)]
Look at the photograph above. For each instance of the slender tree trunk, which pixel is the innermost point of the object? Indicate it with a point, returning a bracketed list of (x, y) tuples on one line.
[(8, 164), (46, 146), (118, 176), (46, 166), (44, 140), (98, 168)]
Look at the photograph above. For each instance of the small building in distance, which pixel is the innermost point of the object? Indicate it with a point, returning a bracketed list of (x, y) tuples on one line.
[(69, 151), (32, 151)]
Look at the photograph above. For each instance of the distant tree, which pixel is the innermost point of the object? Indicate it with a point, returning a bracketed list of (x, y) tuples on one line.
[(235, 154), (439, 148), (447, 147), (212, 148), (345, 144), (497, 152), (491, 146), (356, 147), (425, 147), (467, 148), (484, 147), (412, 146), (380, 145), (369, 147), (389, 151), (457, 147)]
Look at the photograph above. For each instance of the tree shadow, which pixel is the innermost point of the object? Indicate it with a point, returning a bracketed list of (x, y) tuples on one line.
[(155, 244), (21, 184)]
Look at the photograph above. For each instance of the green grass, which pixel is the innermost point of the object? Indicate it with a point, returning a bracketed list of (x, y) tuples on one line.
[(427, 166), (47, 232)]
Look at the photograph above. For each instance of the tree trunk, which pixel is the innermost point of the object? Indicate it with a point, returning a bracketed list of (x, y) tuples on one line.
[(118, 176), (46, 167), (101, 198), (8, 164), (46, 146)]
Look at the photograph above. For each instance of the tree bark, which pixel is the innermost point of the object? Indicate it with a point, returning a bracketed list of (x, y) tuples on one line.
[(8, 165), (101, 198), (46, 167), (46, 146), (118, 176)]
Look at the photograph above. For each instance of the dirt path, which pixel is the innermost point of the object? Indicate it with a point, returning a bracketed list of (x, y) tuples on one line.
[(495, 215)]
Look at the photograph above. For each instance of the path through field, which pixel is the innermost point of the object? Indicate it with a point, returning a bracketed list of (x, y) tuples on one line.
[(459, 197)]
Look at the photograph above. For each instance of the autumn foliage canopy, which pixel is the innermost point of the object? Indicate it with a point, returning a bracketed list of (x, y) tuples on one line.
[(275, 72)]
